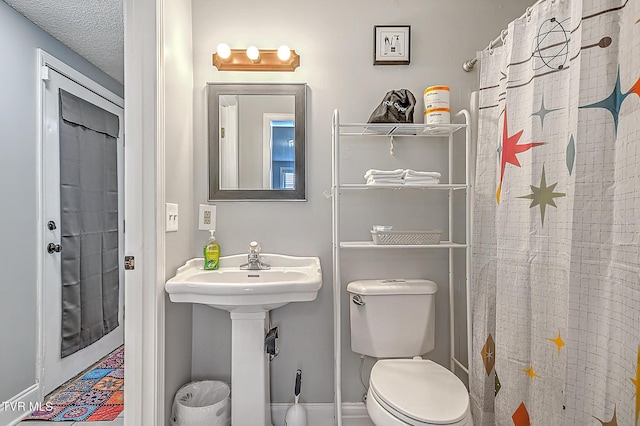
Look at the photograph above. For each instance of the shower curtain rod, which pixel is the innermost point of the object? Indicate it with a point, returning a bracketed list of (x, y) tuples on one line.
[(469, 64)]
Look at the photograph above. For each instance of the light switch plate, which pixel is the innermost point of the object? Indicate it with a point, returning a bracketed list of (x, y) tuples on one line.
[(207, 217), (171, 217)]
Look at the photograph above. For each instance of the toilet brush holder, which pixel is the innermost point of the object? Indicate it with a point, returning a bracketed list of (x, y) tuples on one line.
[(296, 414)]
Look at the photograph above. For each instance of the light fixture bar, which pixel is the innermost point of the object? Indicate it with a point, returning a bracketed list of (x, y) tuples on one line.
[(268, 61)]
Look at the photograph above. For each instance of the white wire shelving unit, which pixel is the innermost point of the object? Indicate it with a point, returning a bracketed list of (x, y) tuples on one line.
[(390, 131)]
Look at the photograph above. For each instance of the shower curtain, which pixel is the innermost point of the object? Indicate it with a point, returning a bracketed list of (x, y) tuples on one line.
[(556, 258)]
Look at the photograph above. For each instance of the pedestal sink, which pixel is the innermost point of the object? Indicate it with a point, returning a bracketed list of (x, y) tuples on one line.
[(248, 295)]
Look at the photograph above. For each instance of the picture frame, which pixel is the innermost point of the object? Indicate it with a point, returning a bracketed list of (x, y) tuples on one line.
[(391, 44)]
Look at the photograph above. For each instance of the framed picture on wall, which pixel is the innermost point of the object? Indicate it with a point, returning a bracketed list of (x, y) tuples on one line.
[(391, 44)]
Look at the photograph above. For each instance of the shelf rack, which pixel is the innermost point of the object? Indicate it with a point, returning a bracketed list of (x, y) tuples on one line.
[(406, 131)]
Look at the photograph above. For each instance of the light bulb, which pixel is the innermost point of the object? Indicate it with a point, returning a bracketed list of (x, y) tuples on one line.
[(253, 53), (223, 50), (284, 53)]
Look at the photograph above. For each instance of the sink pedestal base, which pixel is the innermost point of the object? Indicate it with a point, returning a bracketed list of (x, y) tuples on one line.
[(250, 395)]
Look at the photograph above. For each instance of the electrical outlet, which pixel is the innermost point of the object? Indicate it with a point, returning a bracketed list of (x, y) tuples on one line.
[(171, 217), (207, 217)]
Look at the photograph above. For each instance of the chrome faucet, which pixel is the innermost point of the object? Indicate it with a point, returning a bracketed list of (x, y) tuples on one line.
[(253, 260)]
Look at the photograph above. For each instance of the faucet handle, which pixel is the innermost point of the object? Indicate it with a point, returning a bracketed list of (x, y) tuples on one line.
[(254, 247)]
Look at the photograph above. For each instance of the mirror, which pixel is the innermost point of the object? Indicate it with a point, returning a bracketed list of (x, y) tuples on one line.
[(256, 141)]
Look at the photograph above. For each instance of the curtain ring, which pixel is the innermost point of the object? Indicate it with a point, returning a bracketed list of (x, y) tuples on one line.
[(528, 14), (490, 48), (503, 36)]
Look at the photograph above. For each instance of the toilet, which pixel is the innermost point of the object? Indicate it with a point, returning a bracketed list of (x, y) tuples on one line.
[(394, 321)]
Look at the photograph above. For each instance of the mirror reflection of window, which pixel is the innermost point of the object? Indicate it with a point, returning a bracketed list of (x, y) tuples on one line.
[(282, 154), (289, 179)]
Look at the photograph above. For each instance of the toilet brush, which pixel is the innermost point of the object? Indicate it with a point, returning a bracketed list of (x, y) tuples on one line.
[(296, 414)]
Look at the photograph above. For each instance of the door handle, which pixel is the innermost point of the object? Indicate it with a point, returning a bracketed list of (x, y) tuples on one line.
[(54, 248)]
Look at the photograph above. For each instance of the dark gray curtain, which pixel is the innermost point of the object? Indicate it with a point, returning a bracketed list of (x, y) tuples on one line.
[(88, 222)]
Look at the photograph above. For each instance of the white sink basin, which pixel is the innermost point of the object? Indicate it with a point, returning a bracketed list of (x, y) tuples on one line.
[(290, 279)]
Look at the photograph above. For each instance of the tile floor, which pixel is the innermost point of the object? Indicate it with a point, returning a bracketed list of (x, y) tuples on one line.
[(119, 421)]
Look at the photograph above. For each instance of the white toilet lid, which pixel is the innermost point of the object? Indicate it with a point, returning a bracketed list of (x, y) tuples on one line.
[(421, 390)]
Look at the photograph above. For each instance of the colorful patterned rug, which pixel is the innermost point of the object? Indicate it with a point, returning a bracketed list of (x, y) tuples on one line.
[(96, 394)]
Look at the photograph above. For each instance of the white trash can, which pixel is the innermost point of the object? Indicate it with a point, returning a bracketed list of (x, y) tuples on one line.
[(203, 403)]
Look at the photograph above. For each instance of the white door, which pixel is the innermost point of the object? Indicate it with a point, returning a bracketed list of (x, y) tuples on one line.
[(57, 370)]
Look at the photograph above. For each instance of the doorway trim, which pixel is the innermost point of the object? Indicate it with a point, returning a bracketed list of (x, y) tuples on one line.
[(144, 154)]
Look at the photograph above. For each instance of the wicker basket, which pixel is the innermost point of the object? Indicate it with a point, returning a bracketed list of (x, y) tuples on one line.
[(406, 237)]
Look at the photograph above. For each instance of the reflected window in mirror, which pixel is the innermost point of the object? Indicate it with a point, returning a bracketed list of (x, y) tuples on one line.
[(279, 140), (256, 141)]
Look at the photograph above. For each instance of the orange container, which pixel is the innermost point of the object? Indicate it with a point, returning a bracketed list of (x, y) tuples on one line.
[(436, 97), (437, 116)]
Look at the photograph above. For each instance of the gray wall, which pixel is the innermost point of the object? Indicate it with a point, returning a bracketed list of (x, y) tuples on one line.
[(178, 70), (334, 39), (19, 39)]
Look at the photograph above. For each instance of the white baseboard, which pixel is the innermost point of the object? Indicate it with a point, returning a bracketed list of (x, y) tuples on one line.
[(353, 414), (20, 406)]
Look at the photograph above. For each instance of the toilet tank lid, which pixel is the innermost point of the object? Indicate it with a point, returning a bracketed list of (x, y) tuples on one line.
[(392, 286)]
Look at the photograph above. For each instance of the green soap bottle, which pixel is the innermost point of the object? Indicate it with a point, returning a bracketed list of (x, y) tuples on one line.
[(211, 253)]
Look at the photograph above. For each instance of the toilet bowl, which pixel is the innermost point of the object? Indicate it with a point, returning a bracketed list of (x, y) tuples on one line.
[(416, 392)]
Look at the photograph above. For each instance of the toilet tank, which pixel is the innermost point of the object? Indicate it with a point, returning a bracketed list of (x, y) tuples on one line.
[(392, 318)]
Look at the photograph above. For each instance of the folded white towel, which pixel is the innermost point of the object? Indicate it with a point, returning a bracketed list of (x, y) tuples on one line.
[(383, 173), (420, 182), (383, 178), (395, 181), (385, 184), (421, 179), (413, 173)]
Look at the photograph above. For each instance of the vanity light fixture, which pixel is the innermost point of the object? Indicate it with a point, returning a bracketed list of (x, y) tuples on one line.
[(253, 54), (254, 59), (223, 50), (284, 53)]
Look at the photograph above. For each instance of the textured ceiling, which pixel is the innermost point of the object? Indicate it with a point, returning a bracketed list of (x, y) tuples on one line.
[(92, 28)]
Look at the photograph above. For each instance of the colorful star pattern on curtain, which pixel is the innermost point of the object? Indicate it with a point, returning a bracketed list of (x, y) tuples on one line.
[(543, 195), (614, 101), (543, 111), (530, 372), (558, 341), (509, 151), (612, 422), (521, 415)]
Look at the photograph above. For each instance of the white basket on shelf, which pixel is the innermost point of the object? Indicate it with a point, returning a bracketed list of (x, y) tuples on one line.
[(406, 237)]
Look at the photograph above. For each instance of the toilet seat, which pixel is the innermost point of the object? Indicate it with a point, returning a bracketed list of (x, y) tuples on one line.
[(419, 392)]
